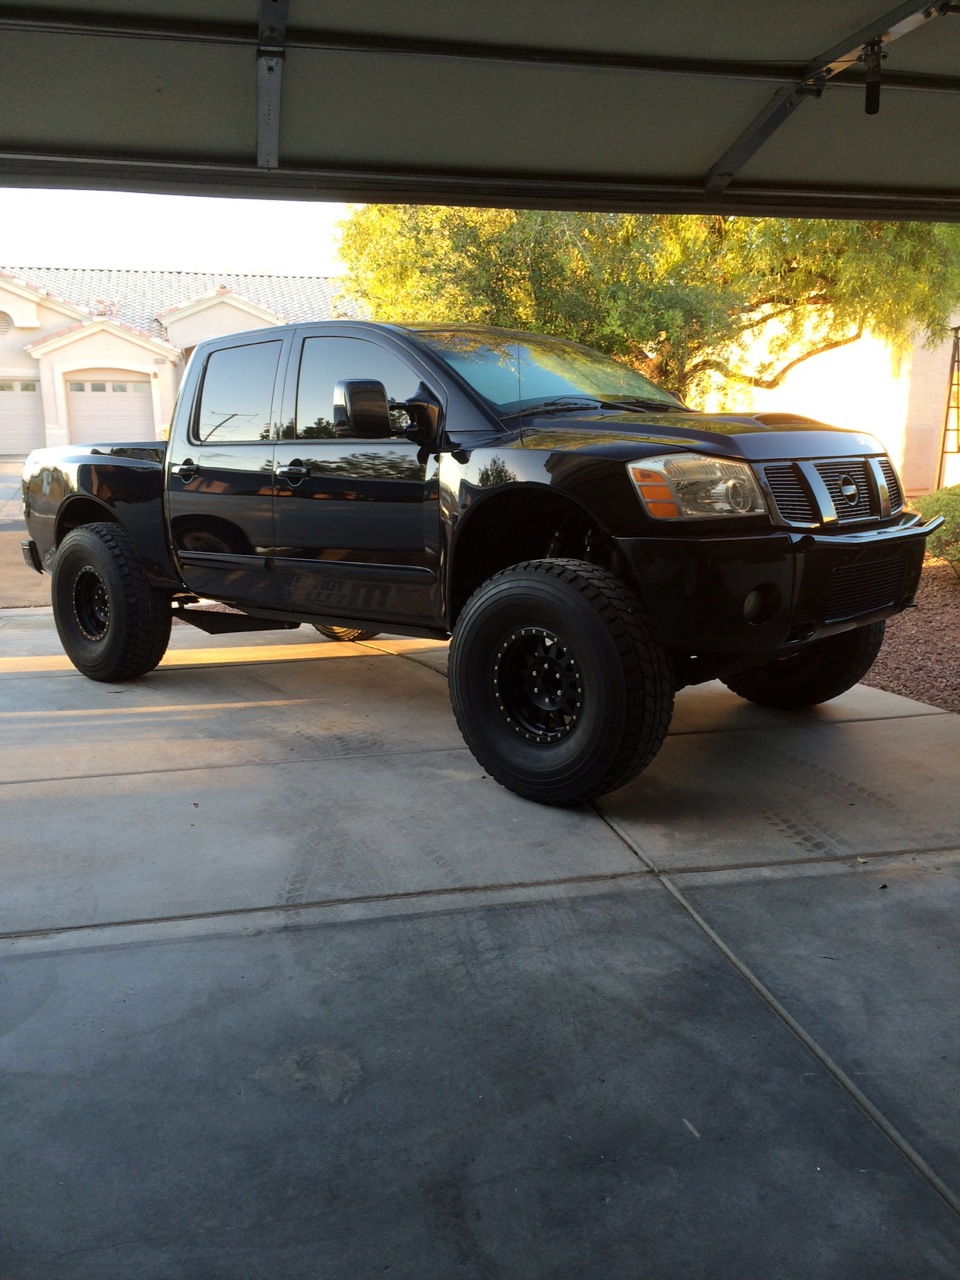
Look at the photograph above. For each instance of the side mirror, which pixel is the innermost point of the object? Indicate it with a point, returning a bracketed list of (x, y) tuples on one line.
[(425, 412), (360, 408)]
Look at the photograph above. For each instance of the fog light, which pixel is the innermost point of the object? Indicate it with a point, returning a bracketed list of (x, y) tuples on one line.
[(761, 603)]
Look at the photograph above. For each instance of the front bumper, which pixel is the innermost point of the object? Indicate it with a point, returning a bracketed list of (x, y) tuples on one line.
[(758, 594)]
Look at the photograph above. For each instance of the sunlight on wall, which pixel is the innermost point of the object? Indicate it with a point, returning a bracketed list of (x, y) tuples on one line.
[(863, 387), (900, 398)]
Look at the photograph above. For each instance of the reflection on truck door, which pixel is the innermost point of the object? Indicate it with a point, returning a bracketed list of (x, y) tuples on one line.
[(221, 476), (355, 514)]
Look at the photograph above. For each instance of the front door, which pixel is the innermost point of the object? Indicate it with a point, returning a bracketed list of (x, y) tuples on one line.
[(356, 520), (220, 486)]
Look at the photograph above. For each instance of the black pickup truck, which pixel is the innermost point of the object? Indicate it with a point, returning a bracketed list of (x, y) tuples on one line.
[(591, 543)]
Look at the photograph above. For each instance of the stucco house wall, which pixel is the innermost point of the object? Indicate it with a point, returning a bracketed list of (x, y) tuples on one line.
[(213, 318), (925, 417), (31, 319)]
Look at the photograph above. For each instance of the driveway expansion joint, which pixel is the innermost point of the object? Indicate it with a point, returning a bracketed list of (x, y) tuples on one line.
[(889, 1130), (319, 904)]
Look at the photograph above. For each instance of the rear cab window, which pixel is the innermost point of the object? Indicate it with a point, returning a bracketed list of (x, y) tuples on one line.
[(237, 395)]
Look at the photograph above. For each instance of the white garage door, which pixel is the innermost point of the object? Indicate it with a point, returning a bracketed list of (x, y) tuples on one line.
[(106, 409), (21, 416)]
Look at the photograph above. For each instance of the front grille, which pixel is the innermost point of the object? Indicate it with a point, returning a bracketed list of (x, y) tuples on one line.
[(893, 485), (790, 494), (837, 476), (850, 482), (864, 588)]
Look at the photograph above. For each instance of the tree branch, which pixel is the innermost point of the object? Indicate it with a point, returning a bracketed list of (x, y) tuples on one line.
[(769, 315), (709, 365)]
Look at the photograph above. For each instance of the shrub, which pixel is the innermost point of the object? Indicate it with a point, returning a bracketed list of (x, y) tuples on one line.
[(944, 502)]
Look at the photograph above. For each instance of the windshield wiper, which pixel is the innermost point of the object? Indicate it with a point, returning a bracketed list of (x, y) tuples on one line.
[(559, 404), (568, 404), (644, 402)]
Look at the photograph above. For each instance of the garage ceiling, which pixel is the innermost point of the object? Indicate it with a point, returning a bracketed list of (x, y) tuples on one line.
[(739, 106)]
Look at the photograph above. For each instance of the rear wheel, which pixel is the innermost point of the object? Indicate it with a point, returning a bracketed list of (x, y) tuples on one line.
[(345, 633), (559, 686), (112, 623), (816, 673)]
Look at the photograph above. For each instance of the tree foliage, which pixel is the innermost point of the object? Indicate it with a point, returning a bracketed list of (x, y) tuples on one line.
[(683, 298)]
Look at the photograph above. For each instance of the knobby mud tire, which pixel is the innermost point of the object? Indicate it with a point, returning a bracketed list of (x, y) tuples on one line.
[(113, 624), (610, 696)]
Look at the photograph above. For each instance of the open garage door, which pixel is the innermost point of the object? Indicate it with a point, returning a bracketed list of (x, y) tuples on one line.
[(105, 408), (821, 108), (21, 416)]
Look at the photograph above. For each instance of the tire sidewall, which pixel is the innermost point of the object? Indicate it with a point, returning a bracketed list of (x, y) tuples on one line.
[(495, 612), (84, 551)]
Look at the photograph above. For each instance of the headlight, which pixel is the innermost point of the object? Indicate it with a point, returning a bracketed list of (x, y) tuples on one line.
[(694, 487)]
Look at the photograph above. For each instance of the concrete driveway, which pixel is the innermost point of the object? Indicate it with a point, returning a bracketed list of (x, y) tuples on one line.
[(290, 989)]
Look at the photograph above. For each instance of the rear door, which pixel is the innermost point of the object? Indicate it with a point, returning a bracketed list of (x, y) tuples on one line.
[(356, 521), (220, 487)]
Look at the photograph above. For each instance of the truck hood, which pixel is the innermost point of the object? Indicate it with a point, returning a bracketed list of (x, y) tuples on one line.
[(724, 435)]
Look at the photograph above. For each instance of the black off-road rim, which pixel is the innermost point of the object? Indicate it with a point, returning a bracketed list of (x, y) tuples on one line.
[(91, 604), (538, 685)]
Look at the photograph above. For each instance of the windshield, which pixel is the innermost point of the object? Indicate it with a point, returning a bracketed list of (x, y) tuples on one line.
[(517, 372)]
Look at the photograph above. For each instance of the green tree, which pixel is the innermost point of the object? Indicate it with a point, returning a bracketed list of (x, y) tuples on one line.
[(683, 298)]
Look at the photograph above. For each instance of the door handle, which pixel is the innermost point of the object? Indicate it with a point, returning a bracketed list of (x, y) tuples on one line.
[(294, 471), (185, 470)]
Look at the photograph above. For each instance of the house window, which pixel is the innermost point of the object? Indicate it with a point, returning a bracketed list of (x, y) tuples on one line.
[(140, 386), (77, 386), (28, 386), (6, 386), (98, 386), (118, 386)]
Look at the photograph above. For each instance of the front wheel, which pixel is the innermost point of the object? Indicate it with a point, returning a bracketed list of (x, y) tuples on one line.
[(815, 673), (112, 623), (559, 685)]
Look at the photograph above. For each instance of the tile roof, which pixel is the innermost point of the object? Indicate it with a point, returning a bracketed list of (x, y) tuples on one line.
[(137, 298)]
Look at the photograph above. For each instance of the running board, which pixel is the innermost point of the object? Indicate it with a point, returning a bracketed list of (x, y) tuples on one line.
[(217, 623)]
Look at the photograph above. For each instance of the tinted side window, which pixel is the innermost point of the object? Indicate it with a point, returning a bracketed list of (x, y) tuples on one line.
[(238, 393), (326, 361)]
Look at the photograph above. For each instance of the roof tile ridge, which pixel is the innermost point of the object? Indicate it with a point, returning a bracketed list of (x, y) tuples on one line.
[(42, 291)]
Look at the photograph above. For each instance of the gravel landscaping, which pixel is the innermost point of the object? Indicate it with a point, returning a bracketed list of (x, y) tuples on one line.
[(920, 657)]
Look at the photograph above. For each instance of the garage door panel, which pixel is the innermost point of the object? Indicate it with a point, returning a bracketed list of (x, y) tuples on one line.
[(338, 105), (914, 120), (109, 409), (21, 416), (163, 94)]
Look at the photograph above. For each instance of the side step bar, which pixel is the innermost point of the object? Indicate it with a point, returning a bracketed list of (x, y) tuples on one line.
[(217, 622)]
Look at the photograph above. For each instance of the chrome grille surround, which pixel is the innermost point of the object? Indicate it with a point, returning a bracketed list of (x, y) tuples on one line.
[(827, 492), (893, 485)]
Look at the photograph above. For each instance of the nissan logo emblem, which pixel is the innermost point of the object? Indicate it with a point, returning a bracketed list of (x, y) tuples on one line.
[(849, 490)]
